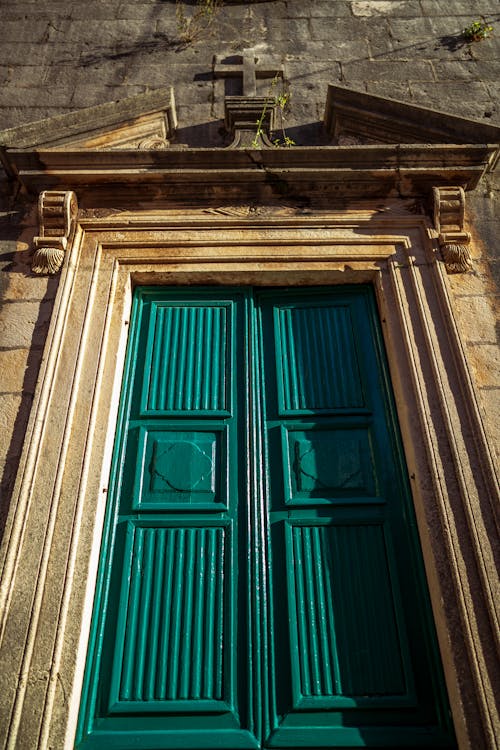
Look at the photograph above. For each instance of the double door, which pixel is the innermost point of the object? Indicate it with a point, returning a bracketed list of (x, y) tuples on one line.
[(260, 583)]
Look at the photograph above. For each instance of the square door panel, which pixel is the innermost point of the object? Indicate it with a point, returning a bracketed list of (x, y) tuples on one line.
[(327, 464), (181, 469)]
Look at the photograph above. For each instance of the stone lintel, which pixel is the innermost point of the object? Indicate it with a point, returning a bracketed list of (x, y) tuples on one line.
[(343, 172)]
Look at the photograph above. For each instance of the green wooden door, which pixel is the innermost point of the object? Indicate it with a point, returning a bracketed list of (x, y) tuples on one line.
[(260, 582)]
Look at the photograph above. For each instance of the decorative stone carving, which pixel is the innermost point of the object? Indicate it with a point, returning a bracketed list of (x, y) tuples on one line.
[(449, 214), (250, 68), (155, 142), (249, 118), (57, 210), (247, 210), (349, 140), (457, 258)]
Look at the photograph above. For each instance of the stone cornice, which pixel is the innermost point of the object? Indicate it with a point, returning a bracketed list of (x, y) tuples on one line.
[(345, 172)]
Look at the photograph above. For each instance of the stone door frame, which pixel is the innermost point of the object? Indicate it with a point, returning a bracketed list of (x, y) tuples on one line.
[(52, 540)]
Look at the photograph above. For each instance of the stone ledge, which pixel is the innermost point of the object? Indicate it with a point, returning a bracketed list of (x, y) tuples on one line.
[(345, 171)]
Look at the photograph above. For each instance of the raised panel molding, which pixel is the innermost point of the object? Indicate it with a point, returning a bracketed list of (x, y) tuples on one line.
[(169, 647), (348, 645)]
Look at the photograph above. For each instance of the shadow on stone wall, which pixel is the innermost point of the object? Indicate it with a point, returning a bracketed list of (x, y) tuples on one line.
[(25, 312)]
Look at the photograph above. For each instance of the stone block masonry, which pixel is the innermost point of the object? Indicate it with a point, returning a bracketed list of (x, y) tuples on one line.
[(57, 57)]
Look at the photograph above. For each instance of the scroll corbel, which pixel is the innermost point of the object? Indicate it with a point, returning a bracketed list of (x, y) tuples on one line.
[(449, 217), (57, 211)]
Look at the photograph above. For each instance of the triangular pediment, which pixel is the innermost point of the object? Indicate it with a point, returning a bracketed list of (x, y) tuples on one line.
[(149, 121), (354, 117), (379, 147), (143, 121)]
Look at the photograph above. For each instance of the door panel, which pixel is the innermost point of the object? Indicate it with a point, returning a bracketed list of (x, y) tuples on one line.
[(165, 644), (170, 631), (260, 582), (326, 463), (195, 340), (338, 506), (311, 341), (345, 628)]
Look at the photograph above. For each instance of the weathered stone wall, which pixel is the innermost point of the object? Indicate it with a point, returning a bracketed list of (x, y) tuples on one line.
[(57, 56)]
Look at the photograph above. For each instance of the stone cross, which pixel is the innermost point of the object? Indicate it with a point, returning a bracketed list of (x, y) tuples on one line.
[(248, 69)]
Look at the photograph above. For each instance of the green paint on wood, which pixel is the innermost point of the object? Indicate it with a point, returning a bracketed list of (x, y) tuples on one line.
[(260, 582)]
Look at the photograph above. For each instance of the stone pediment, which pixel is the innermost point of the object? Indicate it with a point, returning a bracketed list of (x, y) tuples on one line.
[(354, 117), (148, 121), (380, 148), (143, 121)]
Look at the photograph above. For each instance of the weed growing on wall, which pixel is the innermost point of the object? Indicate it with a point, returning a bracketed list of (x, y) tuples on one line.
[(279, 99), (477, 31), (191, 27)]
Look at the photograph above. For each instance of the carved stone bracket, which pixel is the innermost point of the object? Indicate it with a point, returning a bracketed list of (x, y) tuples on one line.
[(57, 210), (449, 214)]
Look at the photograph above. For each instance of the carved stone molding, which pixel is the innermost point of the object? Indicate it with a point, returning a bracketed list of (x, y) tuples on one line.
[(381, 119), (156, 142), (250, 120), (57, 210), (117, 125), (449, 215)]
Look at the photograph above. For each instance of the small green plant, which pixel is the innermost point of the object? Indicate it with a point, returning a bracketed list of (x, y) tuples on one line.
[(192, 27), (476, 31), (280, 100), (260, 124)]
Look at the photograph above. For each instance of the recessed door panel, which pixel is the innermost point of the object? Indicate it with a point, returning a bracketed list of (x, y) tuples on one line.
[(171, 635), (188, 365), (181, 467), (344, 618), (312, 341), (328, 463)]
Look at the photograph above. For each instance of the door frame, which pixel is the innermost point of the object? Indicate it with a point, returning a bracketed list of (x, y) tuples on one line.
[(54, 529)]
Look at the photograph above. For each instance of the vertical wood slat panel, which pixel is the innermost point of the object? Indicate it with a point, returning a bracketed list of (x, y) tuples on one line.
[(168, 652), (347, 631), (318, 359), (189, 359)]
